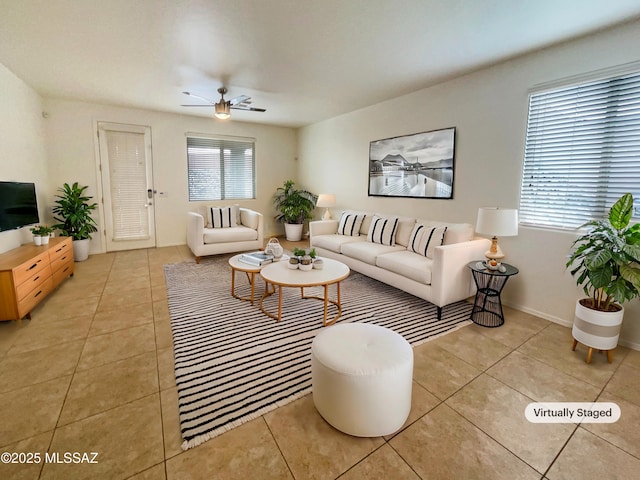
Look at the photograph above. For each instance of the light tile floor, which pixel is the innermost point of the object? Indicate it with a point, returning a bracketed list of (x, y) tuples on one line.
[(93, 372)]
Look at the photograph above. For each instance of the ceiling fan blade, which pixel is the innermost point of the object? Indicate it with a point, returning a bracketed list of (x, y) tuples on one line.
[(208, 106), (198, 96), (240, 99), (249, 109)]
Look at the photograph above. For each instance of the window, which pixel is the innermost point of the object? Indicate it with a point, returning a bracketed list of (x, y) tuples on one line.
[(220, 168), (582, 152)]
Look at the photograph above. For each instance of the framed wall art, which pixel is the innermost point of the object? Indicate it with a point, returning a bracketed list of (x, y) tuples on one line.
[(420, 165)]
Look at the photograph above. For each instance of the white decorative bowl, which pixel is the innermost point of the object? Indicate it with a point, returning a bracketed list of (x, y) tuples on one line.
[(292, 266), (306, 268), (318, 264)]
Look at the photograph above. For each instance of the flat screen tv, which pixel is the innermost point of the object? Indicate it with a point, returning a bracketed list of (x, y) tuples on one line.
[(18, 205)]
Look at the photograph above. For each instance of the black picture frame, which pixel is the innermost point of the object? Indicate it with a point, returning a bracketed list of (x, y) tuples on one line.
[(420, 165)]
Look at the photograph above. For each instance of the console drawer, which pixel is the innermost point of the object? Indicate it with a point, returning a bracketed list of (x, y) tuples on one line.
[(35, 281), (63, 248), (63, 272), (28, 269), (33, 298)]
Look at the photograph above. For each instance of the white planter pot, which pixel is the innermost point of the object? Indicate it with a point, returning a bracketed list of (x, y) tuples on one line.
[(293, 231), (597, 329), (37, 240), (81, 250), (45, 240)]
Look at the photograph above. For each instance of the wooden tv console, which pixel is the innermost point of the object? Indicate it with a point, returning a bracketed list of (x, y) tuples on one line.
[(29, 273)]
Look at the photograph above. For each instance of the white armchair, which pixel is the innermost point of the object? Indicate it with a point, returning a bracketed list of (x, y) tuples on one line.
[(247, 235)]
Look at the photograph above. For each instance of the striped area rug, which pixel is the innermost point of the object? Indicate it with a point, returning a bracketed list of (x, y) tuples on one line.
[(233, 363)]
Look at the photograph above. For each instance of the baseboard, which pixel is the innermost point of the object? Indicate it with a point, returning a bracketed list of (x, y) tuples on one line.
[(564, 323)]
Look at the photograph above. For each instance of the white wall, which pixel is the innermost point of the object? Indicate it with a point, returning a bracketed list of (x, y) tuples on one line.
[(489, 110), (71, 143), (22, 149)]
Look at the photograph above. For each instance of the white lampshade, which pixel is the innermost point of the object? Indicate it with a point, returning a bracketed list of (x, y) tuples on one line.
[(497, 222), (326, 200)]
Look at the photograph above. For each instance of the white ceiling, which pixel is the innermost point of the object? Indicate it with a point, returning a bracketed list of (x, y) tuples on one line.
[(302, 60)]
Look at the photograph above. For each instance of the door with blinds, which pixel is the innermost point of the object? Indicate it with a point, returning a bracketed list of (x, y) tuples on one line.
[(127, 186)]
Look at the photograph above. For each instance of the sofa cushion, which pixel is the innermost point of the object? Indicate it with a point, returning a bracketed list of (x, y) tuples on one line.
[(350, 224), (383, 230), (367, 251), (456, 232), (334, 242), (408, 264), (230, 234), (424, 239)]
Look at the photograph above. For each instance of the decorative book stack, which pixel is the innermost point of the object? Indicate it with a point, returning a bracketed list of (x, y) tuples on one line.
[(257, 259)]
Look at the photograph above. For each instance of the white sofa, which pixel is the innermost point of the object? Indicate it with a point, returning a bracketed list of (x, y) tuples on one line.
[(204, 240), (441, 279)]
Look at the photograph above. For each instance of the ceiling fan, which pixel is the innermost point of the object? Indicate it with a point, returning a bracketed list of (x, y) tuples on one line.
[(223, 107)]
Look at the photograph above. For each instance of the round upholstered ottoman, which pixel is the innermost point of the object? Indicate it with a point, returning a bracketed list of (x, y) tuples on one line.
[(362, 376)]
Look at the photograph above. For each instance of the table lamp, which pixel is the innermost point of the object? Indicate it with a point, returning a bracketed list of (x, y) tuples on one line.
[(497, 222), (326, 200)]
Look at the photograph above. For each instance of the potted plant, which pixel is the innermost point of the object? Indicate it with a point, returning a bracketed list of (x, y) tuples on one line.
[(295, 206), (606, 263), (73, 211), (41, 234)]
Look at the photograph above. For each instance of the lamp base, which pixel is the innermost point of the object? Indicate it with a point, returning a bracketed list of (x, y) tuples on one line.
[(327, 214), (495, 252)]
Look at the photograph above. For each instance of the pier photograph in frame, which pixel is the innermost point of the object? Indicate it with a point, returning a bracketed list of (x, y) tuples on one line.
[(420, 165)]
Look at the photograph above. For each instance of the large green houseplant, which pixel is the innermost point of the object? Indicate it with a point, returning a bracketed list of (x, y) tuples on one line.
[(605, 262), (294, 207), (73, 211)]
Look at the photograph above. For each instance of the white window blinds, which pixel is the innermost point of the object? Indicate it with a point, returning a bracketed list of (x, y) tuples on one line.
[(220, 169), (582, 152)]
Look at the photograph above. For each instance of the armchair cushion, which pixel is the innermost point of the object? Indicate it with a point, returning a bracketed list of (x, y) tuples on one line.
[(222, 217)]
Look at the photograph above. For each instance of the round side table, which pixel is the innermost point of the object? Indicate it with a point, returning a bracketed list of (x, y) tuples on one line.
[(487, 307)]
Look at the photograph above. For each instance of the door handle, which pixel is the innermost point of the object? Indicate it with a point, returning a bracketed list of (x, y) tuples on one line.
[(149, 193)]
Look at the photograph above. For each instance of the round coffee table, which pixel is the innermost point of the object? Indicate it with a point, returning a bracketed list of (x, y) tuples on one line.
[(250, 271), (280, 275)]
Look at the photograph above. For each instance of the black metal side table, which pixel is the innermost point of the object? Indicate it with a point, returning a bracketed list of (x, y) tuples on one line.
[(487, 307)]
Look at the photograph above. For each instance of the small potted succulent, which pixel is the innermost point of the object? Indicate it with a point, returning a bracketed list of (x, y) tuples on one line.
[(293, 262), (306, 263), (41, 234)]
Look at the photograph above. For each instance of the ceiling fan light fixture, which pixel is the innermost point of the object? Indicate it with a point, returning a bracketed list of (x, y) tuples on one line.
[(223, 110)]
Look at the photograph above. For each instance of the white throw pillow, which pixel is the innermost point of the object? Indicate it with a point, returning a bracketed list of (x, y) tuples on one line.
[(383, 230), (222, 217), (350, 224), (424, 239)]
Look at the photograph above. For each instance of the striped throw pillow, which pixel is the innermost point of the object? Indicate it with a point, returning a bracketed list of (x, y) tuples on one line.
[(222, 217), (383, 230), (350, 224), (424, 239)]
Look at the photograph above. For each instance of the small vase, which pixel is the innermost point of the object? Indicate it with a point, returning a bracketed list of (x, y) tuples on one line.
[(44, 240), (37, 240)]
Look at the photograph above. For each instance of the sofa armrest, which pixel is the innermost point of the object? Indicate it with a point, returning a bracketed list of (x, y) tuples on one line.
[(195, 230), (322, 227), (451, 279), (252, 219)]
